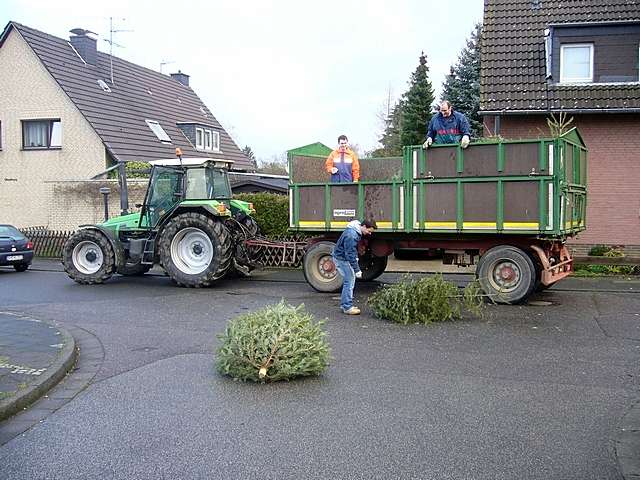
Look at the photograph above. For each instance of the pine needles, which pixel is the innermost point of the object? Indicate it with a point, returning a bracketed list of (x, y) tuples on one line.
[(278, 342)]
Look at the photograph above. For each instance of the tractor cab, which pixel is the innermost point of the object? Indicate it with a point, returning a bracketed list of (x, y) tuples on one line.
[(177, 182)]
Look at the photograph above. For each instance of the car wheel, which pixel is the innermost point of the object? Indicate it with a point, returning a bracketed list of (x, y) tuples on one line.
[(21, 267)]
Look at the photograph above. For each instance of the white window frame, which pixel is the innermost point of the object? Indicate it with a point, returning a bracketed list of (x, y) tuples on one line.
[(562, 63), (159, 132), (53, 139), (207, 140)]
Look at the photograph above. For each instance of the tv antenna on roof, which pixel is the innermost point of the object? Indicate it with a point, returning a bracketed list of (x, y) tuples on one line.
[(112, 44), (165, 62)]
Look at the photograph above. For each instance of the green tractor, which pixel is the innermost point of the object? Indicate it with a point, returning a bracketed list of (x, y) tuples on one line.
[(188, 223)]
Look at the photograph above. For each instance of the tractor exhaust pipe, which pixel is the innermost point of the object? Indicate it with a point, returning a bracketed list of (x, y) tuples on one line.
[(124, 193)]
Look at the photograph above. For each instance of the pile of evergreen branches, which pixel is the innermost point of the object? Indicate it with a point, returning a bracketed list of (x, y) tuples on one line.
[(278, 342), (427, 300)]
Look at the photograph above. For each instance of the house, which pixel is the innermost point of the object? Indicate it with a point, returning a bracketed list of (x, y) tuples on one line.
[(259, 183), (580, 57), (69, 111)]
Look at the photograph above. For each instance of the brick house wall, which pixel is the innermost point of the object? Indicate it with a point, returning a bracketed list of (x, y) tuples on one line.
[(30, 93), (613, 198)]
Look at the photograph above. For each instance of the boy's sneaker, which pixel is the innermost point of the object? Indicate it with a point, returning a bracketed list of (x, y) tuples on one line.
[(352, 311)]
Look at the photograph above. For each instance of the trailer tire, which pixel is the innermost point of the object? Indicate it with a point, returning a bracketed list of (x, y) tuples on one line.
[(88, 257), (506, 274), (195, 249), (319, 270), (372, 267)]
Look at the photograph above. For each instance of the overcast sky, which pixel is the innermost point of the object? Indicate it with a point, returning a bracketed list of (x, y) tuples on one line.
[(277, 74)]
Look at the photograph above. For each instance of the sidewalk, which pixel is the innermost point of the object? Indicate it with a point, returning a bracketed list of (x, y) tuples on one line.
[(34, 356)]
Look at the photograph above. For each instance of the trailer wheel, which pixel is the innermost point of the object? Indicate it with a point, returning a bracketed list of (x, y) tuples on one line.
[(507, 274), (195, 250), (319, 269), (372, 267), (88, 257)]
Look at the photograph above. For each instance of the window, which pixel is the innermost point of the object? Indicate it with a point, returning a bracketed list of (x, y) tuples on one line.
[(207, 140), (159, 131), (41, 134), (576, 63)]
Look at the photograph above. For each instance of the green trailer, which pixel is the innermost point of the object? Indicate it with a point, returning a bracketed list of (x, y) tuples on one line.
[(507, 206)]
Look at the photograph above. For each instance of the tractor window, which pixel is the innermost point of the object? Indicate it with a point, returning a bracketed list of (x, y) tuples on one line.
[(163, 193), (207, 183)]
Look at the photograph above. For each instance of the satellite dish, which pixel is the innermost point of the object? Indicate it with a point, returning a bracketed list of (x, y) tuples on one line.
[(81, 31)]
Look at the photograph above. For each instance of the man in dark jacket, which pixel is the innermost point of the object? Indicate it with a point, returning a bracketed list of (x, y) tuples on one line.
[(448, 126), (345, 257)]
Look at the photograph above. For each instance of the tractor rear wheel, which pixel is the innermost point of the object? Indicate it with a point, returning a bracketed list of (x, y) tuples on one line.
[(195, 250), (319, 269), (506, 274), (88, 257)]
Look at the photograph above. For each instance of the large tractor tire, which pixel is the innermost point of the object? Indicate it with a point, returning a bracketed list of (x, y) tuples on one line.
[(319, 269), (251, 226), (134, 269), (506, 274), (372, 267), (88, 257), (195, 250)]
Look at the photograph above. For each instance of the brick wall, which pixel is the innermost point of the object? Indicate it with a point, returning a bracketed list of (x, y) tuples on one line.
[(613, 195), (28, 92), (73, 203)]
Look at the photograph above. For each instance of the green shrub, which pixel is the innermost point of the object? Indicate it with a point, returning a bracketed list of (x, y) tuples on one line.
[(133, 170), (601, 270), (278, 342), (427, 300), (598, 250), (272, 212)]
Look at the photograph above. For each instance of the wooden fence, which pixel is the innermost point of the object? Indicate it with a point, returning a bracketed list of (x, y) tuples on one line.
[(281, 252)]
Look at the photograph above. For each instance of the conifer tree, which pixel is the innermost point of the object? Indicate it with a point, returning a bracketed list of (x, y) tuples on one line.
[(416, 105), (251, 156), (390, 140), (462, 85)]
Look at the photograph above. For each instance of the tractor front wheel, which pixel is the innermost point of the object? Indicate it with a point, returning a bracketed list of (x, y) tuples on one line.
[(195, 250), (88, 257)]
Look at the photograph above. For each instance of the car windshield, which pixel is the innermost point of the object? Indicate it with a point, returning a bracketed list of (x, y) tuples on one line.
[(9, 231), (207, 183)]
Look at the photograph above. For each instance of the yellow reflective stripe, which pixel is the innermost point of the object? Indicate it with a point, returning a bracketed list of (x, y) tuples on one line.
[(523, 225), (479, 225), (306, 223), (439, 224)]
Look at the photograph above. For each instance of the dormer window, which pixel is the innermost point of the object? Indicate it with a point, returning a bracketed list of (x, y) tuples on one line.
[(207, 140), (576, 63), (159, 131)]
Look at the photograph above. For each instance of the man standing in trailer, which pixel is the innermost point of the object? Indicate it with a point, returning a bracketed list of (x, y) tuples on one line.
[(448, 126), (342, 163)]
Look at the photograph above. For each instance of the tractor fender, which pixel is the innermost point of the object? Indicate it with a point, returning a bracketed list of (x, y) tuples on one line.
[(113, 240), (189, 208)]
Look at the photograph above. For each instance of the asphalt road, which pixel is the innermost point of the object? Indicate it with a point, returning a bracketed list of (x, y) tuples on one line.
[(529, 392)]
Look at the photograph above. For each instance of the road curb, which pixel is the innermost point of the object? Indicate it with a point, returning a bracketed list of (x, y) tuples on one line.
[(56, 372)]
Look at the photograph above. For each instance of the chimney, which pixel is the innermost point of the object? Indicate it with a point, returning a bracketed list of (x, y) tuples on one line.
[(85, 45), (183, 78)]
